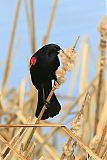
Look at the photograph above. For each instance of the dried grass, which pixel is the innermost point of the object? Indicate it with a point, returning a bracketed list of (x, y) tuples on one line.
[(87, 137), (8, 61)]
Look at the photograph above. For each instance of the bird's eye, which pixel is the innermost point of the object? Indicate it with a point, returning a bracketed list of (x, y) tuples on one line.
[(33, 61)]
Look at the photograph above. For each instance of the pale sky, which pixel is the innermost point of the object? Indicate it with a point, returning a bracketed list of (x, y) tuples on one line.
[(73, 18)]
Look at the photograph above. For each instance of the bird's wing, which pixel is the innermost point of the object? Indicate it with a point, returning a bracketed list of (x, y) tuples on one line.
[(47, 88)]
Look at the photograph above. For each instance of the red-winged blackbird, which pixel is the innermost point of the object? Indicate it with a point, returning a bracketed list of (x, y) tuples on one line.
[(43, 65)]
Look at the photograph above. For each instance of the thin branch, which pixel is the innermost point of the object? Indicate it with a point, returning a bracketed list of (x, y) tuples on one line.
[(46, 37), (8, 61), (31, 125), (12, 148), (101, 140), (33, 27), (77, 139)]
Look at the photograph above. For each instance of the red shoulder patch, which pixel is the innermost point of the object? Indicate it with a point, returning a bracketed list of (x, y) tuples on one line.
[(33, 61)]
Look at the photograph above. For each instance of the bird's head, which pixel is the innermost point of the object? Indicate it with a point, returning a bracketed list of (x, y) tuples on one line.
[(53, 49)]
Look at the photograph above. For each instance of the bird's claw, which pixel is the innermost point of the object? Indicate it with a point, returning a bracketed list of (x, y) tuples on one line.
[(56, 84), (56, 81)]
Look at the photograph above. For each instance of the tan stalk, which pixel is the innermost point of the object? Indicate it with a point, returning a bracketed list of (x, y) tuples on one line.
[(12, 148), (28, 20), (103, 117), (33, 26), (102, 47), (83, 85), (21, 95), (68, 111), (46, 37), (77, 139), (101, 140), (8, 61), (30, 134), (22, 132), (40, 139)]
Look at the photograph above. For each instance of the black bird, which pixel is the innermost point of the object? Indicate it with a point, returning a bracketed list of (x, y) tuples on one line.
[(43, 65)]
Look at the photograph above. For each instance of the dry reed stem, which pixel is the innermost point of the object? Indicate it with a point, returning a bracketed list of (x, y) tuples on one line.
[(39, 118), (103, 117), (77, 100), (40, 139), (101, 140), (77, 139), (59, 73), (30, 151), (15, 51), (102, 47), (67, 111), (51, 150), (48, 99), (33, 27), (69, 146), (46, 37), (8, 61), (20, 117), (83, 85), (31, 125), (42, 158), (56, 85), (85, 126), (22, 140), (104, 157), (84, 67), (22, 94), (12, 148), (99, 90), (6, 150), (26, 140), (28, 19)]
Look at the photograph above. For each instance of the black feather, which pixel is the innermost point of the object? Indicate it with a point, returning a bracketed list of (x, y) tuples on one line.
[(42, 74)]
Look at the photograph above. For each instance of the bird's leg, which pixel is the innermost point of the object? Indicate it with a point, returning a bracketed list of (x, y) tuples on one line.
[(47, 104)]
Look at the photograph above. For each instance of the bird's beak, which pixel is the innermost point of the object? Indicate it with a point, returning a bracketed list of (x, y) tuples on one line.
[(61, 50)]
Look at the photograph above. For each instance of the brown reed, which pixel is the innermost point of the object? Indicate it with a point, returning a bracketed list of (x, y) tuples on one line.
[(46, 37), (102, 47), (20, 143), (8, 61)]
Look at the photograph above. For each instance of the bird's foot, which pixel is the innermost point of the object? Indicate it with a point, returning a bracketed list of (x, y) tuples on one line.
[(47, 104), (56, 84), (56, 81)]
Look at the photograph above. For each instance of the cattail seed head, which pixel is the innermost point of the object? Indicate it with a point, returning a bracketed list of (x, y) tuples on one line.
[(68, 60)]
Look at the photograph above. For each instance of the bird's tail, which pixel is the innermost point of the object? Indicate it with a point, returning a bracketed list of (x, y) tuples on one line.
[(40, 104), (54, 106)]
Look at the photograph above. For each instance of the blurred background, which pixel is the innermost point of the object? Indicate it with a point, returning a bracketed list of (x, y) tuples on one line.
[(25, 26), (72, 18)]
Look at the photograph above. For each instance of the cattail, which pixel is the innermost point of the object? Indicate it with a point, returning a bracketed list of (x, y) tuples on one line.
[(102, 47), (99, 142), (68, 60), (103, 31), (69, 146)]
